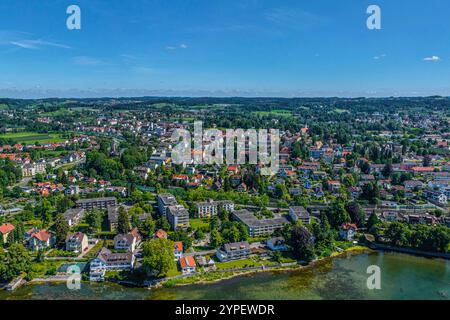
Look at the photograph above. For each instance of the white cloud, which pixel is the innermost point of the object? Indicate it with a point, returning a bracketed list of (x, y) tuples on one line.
[(432, 58), (128, 56), (181, 46), (379, 56), (295, 19), (36, 44), (87, 61)]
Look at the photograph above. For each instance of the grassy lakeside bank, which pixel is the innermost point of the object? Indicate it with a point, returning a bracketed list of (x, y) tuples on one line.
[(216, 276)]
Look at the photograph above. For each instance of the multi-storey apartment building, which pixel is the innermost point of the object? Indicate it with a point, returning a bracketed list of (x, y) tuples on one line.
[(166, 200), (178, 217), (299, 213), (96, 203), (211, 208), (257, 227)]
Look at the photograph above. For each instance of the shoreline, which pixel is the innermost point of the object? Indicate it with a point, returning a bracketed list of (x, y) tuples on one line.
[(226, 275), (295, 267)]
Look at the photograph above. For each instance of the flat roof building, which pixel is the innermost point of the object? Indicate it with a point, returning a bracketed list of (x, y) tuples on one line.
[(96, 203), (178, 217), (257, 227), (166, 200), (210, 208), (299, 213)]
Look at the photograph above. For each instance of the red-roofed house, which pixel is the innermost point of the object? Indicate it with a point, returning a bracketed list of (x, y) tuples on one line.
[(160, 234), (233, 169), (180, 177), (334, 185), (187, 264), (178, 250), (42, 239), (422, 169), (5, 230)]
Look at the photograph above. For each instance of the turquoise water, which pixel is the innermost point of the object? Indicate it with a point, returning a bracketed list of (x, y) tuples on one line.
[(402, 277)]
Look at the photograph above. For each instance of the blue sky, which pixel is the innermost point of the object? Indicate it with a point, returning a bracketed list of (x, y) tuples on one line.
[(224, 48)]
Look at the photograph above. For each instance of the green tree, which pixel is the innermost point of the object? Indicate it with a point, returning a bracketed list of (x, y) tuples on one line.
[(123, 222), (371, 192), (397, 234), (357, 215), (372, 221), (231, 234), (148, 227), (216, 239), (387, 170), (181, 235), (277, 256), (16, 261), (158, 256), (94, 220), (61, 228), (337, 215), (302, 243)]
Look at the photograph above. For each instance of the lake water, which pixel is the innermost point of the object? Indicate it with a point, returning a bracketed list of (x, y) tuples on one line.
[(402, 277)]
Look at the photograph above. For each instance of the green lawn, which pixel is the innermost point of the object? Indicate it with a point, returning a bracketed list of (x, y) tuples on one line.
[(338, 110), (197, 223), (174, 271), (237, 264), (31, 137), (277, 112), (46, 268)]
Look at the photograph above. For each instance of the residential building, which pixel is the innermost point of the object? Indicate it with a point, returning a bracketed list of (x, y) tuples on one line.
[(187, 264), (97, 203), (166, 200), (211, 208), (234, 251), (258, 227), (77, 242), (41, 239), (178, 250), (74, 216), (299, 213), (277, 244), (127, 242), (5, 230), (160, 234), (348, 231), (105, 260), (178, 217), (113, 216)]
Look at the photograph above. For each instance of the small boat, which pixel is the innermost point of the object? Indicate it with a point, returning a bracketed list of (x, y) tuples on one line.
[(443, 294)]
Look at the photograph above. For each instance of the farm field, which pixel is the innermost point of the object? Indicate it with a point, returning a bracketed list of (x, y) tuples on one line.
[(31, 137), (277, 112)]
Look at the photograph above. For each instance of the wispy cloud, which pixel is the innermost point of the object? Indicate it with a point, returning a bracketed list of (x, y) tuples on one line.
[(432, 58), (26, 40), (381, 56), (128, 56), (181, 46), (294, 19), (37, 44), (88, 61)]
